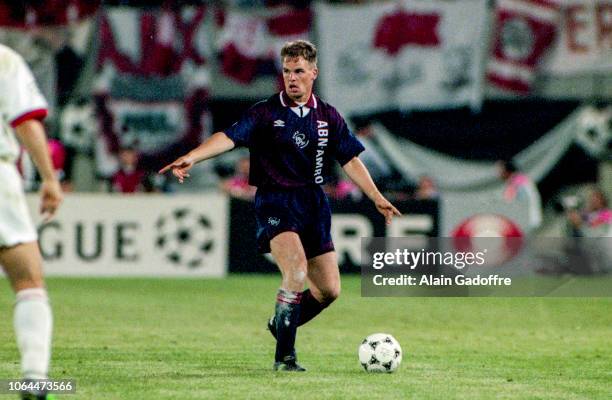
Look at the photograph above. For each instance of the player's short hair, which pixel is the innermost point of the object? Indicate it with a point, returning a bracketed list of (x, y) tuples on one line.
[(299, 48)]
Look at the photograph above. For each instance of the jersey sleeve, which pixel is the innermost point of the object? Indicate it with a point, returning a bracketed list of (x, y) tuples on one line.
[(23, 100), (242, 131), (348, 146)]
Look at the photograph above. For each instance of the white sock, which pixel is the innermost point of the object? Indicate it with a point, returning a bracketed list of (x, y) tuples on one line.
[(33, 325)]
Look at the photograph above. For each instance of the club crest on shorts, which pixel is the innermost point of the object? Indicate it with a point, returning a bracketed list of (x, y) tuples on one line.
[(273, 221), (300, 139)]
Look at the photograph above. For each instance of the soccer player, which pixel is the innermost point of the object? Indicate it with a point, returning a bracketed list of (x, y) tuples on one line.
[(21, 109), (294, 138)]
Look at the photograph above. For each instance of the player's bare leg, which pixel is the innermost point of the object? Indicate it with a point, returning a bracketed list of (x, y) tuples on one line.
[(323, 283), (323, 279), (32, 315), (289, 255), (23, 266)]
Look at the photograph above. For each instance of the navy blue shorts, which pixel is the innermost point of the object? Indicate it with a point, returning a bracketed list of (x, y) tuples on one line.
[(303, 210)]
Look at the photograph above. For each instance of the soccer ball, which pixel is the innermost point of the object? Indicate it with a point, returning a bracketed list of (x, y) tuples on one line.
[(380, 352)]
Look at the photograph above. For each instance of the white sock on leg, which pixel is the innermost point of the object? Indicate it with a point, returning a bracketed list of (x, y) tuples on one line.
[(33, 325)]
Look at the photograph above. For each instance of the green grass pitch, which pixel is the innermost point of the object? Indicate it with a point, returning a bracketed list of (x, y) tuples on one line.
[(206, 339)]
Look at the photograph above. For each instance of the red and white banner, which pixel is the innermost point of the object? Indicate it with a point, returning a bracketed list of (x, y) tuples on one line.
[(151, 82), (28, 14), (402, 55), (523, 32), (584, 42), (248, 48), (40, 30)]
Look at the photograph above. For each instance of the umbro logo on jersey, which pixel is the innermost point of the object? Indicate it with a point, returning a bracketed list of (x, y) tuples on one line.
[(279, 123)]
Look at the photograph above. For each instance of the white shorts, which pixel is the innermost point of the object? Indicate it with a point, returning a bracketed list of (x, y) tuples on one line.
[(15, 222)]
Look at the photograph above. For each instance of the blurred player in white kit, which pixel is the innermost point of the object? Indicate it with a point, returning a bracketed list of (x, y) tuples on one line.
[(22, 107)]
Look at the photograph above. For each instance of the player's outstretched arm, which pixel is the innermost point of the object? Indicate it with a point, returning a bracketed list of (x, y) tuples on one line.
[(213, 146), (360, 175), (31, 134)]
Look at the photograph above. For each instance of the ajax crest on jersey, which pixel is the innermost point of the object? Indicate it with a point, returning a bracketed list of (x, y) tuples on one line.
[(300, 139)]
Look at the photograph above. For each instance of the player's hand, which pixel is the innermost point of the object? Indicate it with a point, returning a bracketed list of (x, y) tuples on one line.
[(386, 208), (50, 198), (179, 167)]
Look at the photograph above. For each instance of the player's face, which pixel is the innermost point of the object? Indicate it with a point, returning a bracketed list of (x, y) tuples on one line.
[(299, 76)]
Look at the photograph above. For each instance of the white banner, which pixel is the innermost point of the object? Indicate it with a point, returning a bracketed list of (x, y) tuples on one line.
[(471, 187), (407, 55), (584, 42), (137, 235)]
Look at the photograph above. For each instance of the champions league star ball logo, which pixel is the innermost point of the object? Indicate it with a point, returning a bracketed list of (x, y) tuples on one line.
[(185, 237), (300, 139)]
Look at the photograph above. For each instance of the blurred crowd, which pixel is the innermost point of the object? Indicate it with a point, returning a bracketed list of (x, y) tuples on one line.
[(127, 170), (591, 217), (50, 27)]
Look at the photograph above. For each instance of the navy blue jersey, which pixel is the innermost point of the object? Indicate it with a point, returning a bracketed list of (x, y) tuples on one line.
[(290, 151)]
